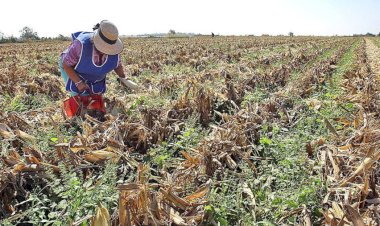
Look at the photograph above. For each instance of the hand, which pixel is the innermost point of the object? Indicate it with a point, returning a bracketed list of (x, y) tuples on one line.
[(82, 87), (128, 83), (122, 80), (119, 79), (120, 71)]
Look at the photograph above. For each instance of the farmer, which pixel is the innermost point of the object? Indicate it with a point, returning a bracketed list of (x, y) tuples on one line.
[(91, 55), (85, 64)]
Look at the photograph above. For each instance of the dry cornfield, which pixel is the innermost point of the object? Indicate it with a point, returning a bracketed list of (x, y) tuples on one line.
[(222, 131)]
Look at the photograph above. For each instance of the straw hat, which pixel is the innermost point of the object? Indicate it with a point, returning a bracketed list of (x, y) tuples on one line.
[(106, 38)]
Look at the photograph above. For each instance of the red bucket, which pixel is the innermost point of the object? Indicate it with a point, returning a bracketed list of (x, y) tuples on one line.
[(74, 105)]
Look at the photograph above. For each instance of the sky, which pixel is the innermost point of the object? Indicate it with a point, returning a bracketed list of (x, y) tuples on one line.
[(50, 18)]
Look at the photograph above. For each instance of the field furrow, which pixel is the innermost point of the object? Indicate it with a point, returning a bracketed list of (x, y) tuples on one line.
[(222, 131)]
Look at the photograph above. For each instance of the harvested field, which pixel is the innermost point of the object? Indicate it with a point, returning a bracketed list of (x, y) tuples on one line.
[(222, 131)]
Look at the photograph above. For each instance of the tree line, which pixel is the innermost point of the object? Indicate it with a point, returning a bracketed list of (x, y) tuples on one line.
[(367, 35), (28, 34)]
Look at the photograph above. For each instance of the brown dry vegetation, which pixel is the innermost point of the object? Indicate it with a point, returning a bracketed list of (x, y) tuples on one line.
[(226, 130)]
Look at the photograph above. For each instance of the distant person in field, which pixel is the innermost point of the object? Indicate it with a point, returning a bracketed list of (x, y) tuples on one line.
[(91, 55)]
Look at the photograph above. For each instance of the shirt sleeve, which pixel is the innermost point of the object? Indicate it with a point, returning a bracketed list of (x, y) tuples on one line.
[(71, 58), (119, 63)]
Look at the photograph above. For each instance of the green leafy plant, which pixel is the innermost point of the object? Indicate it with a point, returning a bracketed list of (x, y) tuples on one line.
[(66, 200)]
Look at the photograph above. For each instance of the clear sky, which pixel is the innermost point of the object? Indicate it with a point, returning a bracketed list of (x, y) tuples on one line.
[(303, 17)]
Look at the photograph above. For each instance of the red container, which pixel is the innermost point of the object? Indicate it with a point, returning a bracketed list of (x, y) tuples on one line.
[(74, 105)]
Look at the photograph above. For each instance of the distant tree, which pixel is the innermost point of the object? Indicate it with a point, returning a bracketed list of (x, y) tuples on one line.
[(62, 38), (378, 34), (2, 37), (370, 34), (45, 38), (12, 39), (171, 32), (291, 34), (212, 34), (27, 33)]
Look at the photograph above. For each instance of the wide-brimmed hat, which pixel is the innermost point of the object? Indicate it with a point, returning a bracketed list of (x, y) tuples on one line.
[(106, 38)]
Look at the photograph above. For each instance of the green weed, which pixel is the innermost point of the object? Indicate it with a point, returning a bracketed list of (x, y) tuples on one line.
[(66, 200), (22, 103)]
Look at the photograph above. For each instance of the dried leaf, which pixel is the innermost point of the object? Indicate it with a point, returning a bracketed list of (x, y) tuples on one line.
[(87, 129), (34, 160), (364, 166), (199, 193), (6, 132), (123, 211), (12, 159), (189, 158), (178, 220), (345, 147), (24, 136), (177, 201), (248, 192), (21, 167), (102, 217), (230, 162), (309, 150), (353, 216), (77, 149), (330, 127), (100, 155), (321, 141), (337, 211), (344, 122), (306, 216), (335, 166)]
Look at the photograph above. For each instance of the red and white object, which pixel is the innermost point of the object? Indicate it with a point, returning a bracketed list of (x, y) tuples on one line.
[(75, 104)]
